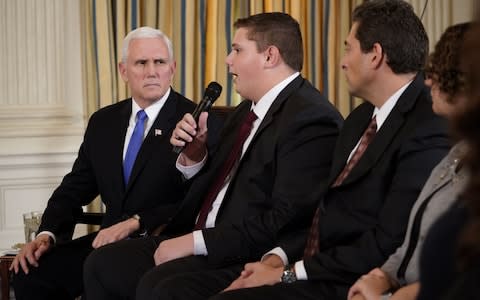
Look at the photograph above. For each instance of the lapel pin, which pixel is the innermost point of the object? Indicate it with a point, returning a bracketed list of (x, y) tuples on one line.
[(158, 132)]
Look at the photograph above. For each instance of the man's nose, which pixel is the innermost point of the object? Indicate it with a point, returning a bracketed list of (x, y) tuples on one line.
[(150, 69)]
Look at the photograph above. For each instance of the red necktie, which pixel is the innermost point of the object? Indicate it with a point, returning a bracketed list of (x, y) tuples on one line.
[(312, 246), (226, 169)]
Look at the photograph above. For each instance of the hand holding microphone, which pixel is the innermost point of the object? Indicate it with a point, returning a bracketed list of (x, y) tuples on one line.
[(190, 127)]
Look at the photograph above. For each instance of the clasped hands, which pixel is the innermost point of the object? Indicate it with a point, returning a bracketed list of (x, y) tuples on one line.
[(266, 272), (370, 286)]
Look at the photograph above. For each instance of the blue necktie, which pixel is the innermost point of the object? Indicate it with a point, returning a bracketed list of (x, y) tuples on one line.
[(134, 145)]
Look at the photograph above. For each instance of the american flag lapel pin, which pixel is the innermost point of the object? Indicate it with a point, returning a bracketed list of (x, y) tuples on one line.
[(158, 132)]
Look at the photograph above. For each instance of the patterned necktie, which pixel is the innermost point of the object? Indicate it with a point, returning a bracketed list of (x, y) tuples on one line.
[(226, 169), (314, 235), (134, 145)]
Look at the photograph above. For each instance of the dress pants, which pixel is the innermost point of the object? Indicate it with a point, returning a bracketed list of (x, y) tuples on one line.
[(59, 274), (126, 270), (186, 278), (171, 284), (113, 271)]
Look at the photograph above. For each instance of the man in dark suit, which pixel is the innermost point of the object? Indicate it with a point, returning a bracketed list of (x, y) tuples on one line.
[(136, 200), (269, 190), (384, 153)]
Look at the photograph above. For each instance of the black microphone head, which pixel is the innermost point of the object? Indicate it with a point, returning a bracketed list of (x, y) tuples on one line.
[(213, 91)]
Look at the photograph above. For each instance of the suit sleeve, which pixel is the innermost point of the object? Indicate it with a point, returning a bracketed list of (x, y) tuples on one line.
[(77, 188), (302, 161), (413, 162)]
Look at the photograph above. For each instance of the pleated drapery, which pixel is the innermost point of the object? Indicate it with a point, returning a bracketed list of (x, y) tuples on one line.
[(201, 31)]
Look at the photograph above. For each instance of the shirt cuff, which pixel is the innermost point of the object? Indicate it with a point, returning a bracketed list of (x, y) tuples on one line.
[(199, 247), (190, 171), (279, 252), (50, 234), (300, 270)]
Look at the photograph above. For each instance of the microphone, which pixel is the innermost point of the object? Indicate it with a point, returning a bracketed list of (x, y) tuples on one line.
[(212, 92)]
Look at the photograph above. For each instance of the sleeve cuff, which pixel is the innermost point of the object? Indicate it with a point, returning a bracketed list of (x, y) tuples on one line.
[(50, 234), (279, 252), (199, 247), (300, 270), (190, 171)]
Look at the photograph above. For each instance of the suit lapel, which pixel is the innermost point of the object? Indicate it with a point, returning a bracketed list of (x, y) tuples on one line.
[(446, 175), (118, 139), (276, 105), (388, 131), (358, 122), (161, 124)]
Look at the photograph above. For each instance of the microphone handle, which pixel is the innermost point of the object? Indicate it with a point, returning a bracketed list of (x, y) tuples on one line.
[(204, 105)]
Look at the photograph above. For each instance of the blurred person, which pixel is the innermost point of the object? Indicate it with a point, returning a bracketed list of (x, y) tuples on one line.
[(275, 151), (450, 259), (400, 274), (139, 191)]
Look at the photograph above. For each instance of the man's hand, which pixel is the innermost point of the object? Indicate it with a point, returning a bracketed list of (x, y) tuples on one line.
[(256, 274), (115, 232), (31, 253), (187, 134), (171, 249), (273, 260), (370, 286)]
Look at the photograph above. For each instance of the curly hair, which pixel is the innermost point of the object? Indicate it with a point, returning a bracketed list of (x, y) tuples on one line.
[(467, 126), (443, 66)]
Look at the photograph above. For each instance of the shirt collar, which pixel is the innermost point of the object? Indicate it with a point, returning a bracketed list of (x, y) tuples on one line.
[(262, 106), (383, 112), (152, 110)]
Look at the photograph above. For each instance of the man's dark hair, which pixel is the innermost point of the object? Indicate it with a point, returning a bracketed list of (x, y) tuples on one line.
[(279, 30), (394, 25)]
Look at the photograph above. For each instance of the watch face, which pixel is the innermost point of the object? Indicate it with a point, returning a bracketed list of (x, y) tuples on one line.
[(289, 276)]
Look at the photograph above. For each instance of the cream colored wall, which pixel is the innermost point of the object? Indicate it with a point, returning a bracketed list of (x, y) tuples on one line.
[(41, 108)]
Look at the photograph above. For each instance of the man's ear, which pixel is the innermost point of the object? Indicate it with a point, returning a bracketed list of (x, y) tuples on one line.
[(378, 56), (122, 69), (272, 56)]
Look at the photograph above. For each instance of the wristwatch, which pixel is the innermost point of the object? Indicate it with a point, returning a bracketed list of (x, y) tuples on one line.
[(288, 275)]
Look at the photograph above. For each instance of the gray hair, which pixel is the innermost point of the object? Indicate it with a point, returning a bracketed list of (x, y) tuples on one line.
[(142, 33)]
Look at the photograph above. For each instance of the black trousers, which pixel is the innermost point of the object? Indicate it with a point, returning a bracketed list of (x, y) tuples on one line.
[(59, 274), (168, 283), (113, 271), (126, 270)]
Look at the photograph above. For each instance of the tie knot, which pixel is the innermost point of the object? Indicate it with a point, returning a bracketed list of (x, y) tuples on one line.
[(372, 127), (373, 123), (141, 115), (251, 117)]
